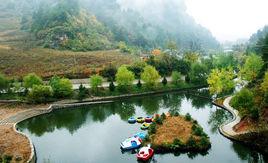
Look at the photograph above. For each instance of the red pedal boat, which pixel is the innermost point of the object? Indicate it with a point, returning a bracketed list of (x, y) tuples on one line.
[(145, 153)]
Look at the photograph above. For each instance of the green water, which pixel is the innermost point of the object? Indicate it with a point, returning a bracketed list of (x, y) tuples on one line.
[(93, 134)]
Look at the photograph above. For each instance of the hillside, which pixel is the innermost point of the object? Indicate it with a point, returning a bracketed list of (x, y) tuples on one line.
[(46, 62)]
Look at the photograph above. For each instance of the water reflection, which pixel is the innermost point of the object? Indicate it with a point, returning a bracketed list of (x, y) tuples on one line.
[(216, 118), (103, 127)]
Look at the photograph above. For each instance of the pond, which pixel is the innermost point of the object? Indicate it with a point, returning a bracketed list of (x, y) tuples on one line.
[(93, 134)]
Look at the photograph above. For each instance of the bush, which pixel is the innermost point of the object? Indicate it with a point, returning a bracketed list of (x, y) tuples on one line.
[(95, 82), (40, 94), (111, 86), (152, 128), (164, 81), (198, 131), (191, 142), (109, 72), (150, 76), (31, 79), (188, 117), (124, 78), (163, 116), (243, 101), (176, 78), (82, 93), (139, 85), (4, 83), (62, 87), (158, 120), (204, 142)]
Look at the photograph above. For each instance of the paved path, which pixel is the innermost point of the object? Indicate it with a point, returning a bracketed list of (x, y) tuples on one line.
[(227, 128)]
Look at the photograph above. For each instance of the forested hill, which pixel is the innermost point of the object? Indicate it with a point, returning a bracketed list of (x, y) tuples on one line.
[(101, 24)]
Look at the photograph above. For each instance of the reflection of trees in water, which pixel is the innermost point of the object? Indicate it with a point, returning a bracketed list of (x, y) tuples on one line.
[(69, 119), (172, 102), (151, 104), (198, 102), (125, 110), (216, 118), (246, 154)]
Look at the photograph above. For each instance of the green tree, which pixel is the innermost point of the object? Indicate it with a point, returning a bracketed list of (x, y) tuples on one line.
[(111, 86), (40, 94), (164, 81), (4, 83), (61, 87), (198, 74), (252, 67), (32, 79), (124, 78), (191, 57), (150, 76), (82, 92), (243, 101), (109, 72), (176, 77), (95, 82), (221, 81), (137, 68), (224, 61)]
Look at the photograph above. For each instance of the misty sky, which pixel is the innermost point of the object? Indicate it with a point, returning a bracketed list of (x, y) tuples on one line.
[(229, 19), (226, 19)]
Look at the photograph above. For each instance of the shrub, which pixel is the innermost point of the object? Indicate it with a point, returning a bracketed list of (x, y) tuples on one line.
[(109, 72), (158, 120), (152, 128), (95, 82), (4, 83), (62, 87), (164, 81), (40, 94), (139, 85), (176, 77), (191, 142), (31, 79), (176, 114), (204, 142), (188, 117), (82, 92), (124, 78), (111, 86), (198, 131), (243, 101), (163, 116), (150, 76)]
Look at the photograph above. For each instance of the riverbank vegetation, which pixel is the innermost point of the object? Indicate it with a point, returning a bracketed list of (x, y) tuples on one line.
[(174, 133)]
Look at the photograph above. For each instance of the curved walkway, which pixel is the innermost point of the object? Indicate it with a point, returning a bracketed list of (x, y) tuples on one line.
[(226, 129)]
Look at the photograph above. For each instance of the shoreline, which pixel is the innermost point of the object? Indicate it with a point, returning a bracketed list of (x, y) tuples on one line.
[(24, 115)]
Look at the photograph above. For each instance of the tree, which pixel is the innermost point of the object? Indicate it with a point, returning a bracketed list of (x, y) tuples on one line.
[(4, 83), (150, 76), (61, 87), (243, 101), (40, 94), (164, 81), (191, 57), (124, 78), (224, 61), (95, 82), (137, 68), (182, 66), (264, 84), (82, 92), (176, 77), (109, 72), (252, 67), (32, 79), (221, 81), (198, 74), (111, 86)]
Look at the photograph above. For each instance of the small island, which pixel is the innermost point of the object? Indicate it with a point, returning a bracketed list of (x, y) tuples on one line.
[(173, 133)]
